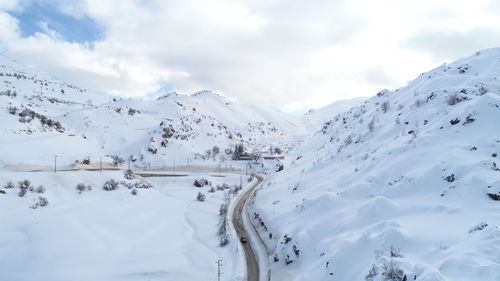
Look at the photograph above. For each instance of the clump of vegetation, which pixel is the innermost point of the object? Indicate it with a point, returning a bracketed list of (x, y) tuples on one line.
[(110, 185), (40, 189), (455, 99), (22, 192), (468, 120), (385, 106), (117, 160), (239, 152), (129, 174), (387, 268), (235, 189), (223, 186), (201, 197), (9, 93), (27, 115), (152, 149), (9, 185), (478, 227), (12, 110), (25, 185), (42, 202), (222, 231), (493, 191), (143, 185), (81, 187), (371, 125), (450, 178), (201, 182)]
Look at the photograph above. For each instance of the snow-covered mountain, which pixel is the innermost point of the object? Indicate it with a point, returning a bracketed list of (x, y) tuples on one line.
[(54, 118), (405, 183), (315, 118), (398, 188)]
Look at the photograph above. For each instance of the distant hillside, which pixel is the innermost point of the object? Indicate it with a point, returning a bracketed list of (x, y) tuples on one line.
[(43, 117)]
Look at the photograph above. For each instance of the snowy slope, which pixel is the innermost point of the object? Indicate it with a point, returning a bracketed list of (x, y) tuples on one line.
[(396, 186), (44, 117), (315, 118)]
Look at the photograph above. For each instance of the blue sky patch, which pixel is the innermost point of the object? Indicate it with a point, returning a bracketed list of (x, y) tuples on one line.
[(37, 16)]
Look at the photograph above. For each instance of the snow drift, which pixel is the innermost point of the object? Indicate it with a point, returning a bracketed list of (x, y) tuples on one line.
[(402, 187)]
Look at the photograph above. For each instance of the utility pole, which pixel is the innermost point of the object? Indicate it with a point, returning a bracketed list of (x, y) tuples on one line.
[(219, 266), (188, 162), (55, 164), (129, 163), (149, 166)]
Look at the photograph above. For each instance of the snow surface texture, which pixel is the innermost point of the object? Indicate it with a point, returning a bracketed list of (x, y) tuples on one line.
[(161, 233), (402, 185)]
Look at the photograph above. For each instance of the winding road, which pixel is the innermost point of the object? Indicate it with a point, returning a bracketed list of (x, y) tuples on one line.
[(251, 256)]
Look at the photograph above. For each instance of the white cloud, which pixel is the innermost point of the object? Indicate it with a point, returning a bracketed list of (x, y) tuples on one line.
[(283, 53)]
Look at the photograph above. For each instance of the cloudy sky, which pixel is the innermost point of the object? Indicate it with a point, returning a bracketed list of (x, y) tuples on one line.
[(285, 54)]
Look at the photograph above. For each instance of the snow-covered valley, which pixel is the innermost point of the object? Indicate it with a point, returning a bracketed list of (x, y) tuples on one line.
[(400, 186)]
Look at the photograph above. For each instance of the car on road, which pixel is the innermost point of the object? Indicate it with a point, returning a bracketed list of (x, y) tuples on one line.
[(243, 240)]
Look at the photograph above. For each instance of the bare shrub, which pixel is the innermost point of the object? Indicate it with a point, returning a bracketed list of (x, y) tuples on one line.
[(201, 182), (143, 185), (40, 189), (201, 197), (478, 227), (392, 272), (455, 99), (110, 185), (9, 185), (117, 160), (222, 231), (371, 125), (42, 202), (25, 185), (419, 103), (129, 174), (372, 273), (385, 106), (22, 192), (81, 187), (348, 140), (256, 154), (387, 268)]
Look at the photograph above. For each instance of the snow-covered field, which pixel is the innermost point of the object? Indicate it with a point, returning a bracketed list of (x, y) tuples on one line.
[(399, 186), (162, 233)]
